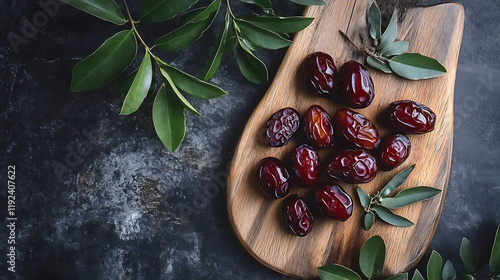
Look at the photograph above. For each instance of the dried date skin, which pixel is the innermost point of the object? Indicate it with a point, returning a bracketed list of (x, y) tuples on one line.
[(273, 177), (356, 129), (411, 117), (352, 166), (305, 165), (393, 151), (281, 127), (318, 126), (297, 215), (355, 85), (333, 202), (320, 74)]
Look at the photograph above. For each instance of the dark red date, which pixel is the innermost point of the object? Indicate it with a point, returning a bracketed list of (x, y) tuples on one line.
[(352, 166), (355, 84), (333, 201), (356, 129), (411, 117), (394, 150), (305, 165), (297, 215), (281, 127), (318, 126), (320, 74), (273, 177)]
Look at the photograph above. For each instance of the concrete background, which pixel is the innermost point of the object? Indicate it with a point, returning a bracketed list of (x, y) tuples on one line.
[(115, 210)]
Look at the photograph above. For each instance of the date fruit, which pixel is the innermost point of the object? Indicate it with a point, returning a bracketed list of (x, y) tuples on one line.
[(281, 126), (273, 177), (297, 215), (352, 166), (305, 165), (411, 117), (318, 126), (394, 150), (333, 201), (355, 84), (320, 74), (356, 129)]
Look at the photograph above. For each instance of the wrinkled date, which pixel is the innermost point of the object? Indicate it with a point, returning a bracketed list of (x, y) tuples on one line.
[(333, 201), (297, 215), (356, 129), (355, 85), (394, 150), (352, 166), (281, 126), (411, 117), (318, 126), (273, 177), (305, 165), (320, 74)]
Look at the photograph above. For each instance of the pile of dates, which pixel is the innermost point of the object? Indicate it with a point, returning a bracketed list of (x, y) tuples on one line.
[(358, 152)]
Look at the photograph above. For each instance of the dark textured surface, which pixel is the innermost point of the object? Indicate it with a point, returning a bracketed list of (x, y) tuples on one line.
[(115, 213)]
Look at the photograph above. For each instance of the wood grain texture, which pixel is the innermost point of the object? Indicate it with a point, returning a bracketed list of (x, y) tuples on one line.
[(434, 31)]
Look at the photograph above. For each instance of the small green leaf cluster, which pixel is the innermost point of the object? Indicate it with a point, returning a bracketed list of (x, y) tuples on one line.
[(381, 204), (389, 55), (117, 53)]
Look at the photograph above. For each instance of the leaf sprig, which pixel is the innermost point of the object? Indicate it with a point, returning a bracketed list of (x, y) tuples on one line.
[(381, 204), (247, 33)]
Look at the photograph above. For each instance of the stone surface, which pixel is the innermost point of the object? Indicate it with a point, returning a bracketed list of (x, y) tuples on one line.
[(121, 207)]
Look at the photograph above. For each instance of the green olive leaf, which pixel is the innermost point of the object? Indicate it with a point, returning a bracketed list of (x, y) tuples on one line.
[(364, 198), (390, 217), (374, 21), (174, 88), (390, 33), (417, 275), (434, 266), (216, 56), (495, 253), (337, 272), (231, 38), (139, 88), (410, 196), (308, 2), (469, 256), (106, 63), (161, 10), (395, 48), (262, 37), (106, 10), (281, 24), (369, 220), (169, 119), (403, 276), (249, 44), (200, 14), (250, 66), (414, 66), (378, 65), (449, 272), (192, 85), (372, 257), (397, 181)]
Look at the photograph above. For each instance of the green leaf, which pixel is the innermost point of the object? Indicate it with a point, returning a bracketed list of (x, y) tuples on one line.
[(308, 2), (369, 220), (121, 88), (139, 88), (281, 24), (390, 33), (389, 217), (104, 9), (410, 196), (414, 66), (185, 35), (262, 37), (216, 56), (250, 66), (378, 65), (417, 275), (200, 14), (374, 21), (495, 253), (395, 48), (434, 266), (449, 272), (337, 272), (168, 118), (469, 256), (403, 276), (230, 39), (184, 101), (397, 181), (161, 10), (192, 85), (372, 256), (249, 44), (107, 62), (364, 198)]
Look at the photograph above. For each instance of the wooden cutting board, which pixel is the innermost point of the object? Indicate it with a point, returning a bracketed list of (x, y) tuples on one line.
[(433, 31)]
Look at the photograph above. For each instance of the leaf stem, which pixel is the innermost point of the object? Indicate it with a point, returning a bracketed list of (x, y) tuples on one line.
[(368, 51), (133, 22), (229, 9)]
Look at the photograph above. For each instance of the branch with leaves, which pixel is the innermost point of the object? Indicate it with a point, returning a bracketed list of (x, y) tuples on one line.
[(246, 33)]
